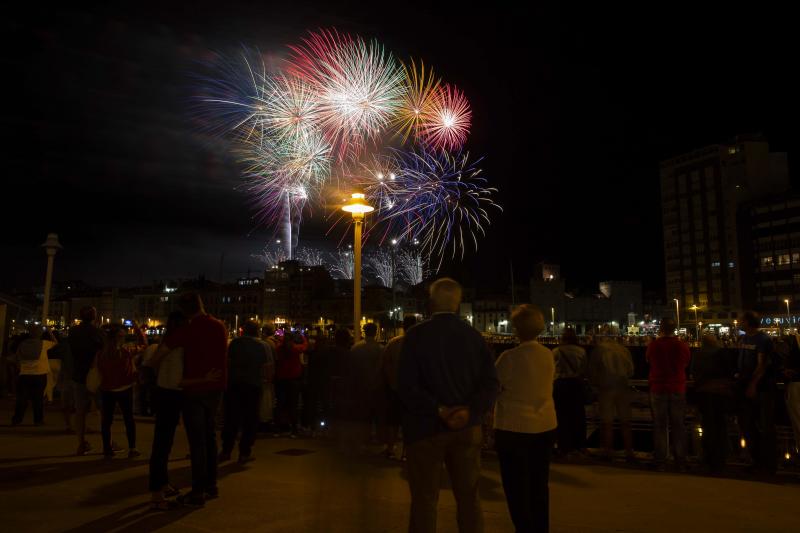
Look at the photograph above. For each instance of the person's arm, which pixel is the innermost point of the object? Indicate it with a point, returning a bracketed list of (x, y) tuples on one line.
[(758, 373), (212, 376), (409, 385), (268, 370)]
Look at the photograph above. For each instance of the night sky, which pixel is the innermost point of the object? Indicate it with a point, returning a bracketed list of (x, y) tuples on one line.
[(572, 109)]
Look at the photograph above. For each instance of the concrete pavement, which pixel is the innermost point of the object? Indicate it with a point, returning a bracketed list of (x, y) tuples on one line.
[(304, 485)]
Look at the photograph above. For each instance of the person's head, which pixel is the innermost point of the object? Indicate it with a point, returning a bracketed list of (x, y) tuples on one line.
[(175, 320), (667, 327), (370, 330), (342, 338), (528, 322), (88, 314), (408, 322), (710, 341), (250, 328), (750, 321), (191, 304), (267, 332), (445, 295), (569, 337)]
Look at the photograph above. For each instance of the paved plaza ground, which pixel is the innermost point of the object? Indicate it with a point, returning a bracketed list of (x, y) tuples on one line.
[(304, 485)]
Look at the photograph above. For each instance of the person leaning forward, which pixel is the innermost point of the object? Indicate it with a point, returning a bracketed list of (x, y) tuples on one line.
[(447, 382)]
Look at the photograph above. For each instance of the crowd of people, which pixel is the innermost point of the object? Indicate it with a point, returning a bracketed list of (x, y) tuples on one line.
[(437, 387)]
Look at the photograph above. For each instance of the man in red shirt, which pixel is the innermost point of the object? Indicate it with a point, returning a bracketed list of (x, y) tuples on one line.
[(205, 366), (668, 357)]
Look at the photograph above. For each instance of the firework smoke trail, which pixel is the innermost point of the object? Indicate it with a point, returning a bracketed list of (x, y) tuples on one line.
[(341, 264), (445, 125), (359, 84), (380, 264), (411, 267)]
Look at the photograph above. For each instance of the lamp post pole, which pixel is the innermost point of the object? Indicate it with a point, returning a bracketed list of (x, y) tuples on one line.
[(394, 293), (677, 315), (51, 246), (358, 208), (788, 314)]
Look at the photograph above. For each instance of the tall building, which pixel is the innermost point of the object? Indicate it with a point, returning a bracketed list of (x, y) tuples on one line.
[(770, 238), (701, 192)]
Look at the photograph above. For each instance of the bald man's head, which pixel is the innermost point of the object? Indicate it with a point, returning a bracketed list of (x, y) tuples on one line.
[(445, 294), (528, 322)]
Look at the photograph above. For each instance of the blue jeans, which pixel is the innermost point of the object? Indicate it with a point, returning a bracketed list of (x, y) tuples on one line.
[(668, 414), (199, 410)]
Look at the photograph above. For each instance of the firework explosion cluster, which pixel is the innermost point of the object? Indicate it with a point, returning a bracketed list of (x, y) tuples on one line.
[(340, 113)]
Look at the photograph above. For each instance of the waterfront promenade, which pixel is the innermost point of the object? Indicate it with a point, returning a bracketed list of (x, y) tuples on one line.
[(304, 485)]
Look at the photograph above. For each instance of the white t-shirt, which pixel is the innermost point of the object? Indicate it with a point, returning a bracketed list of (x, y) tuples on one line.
[(170, 372), (525, 403), (32, 363)]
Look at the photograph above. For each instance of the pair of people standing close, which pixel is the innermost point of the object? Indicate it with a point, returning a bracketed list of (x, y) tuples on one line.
[(204, 342), (447, 380)]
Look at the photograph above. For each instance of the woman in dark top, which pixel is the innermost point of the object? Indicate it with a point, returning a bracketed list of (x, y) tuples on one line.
[(117, 377), (714, 387)]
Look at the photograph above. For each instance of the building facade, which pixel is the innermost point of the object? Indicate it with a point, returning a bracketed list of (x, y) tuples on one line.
[(701, 192)]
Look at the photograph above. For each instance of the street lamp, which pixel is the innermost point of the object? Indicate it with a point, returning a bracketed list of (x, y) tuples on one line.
[(788, 313), (394, 293), (677, 314), (553, 320), (358, 207), (51, 246)]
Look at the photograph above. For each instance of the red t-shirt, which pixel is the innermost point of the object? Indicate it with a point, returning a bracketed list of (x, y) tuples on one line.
[(205, 347), (116, 372), (668, 358)]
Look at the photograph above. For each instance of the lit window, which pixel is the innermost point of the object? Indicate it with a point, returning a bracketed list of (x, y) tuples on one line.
[(784, 259), (715, 264), (767, 261), (731, 264)]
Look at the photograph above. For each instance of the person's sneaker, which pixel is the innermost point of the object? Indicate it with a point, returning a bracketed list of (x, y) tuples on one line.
[(211, 493), (191, 499), (84, 448), (244, 459), (223, 457), (115, 447), (133, 453)]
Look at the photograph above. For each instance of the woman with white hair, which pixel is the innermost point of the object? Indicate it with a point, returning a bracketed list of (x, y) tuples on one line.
[(524, 422)]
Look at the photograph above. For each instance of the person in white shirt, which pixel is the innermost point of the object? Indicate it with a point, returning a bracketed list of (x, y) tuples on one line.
[(524, 422), (34, 369)]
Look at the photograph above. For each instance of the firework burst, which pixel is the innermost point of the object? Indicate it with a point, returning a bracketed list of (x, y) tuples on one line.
[(341, 264), (445, 125), (411, 267), (421, 88), (381, 264)]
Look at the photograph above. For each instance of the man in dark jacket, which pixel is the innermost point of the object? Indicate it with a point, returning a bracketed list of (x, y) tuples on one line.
[(84, 340), (447, 382)]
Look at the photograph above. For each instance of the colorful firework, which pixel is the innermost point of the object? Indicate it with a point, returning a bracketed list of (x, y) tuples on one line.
[(445, 202), (232, 95), (359, 86), (290, 109), (421, 88), (446, 123), (313, 118)]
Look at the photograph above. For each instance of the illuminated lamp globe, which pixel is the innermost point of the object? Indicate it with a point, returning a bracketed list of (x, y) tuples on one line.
[(357, 205)]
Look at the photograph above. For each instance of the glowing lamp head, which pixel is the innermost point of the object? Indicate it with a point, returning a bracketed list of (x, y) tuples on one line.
[(357, 205)]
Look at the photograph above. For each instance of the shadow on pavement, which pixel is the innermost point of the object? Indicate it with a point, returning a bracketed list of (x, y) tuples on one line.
[(124, 488), (8, 460), (135, 518), (24, 476)]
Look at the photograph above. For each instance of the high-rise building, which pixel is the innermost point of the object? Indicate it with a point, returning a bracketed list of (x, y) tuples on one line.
[(700, 193)]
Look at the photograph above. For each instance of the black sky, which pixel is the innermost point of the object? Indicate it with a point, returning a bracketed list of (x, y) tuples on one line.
[(573, 109)]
